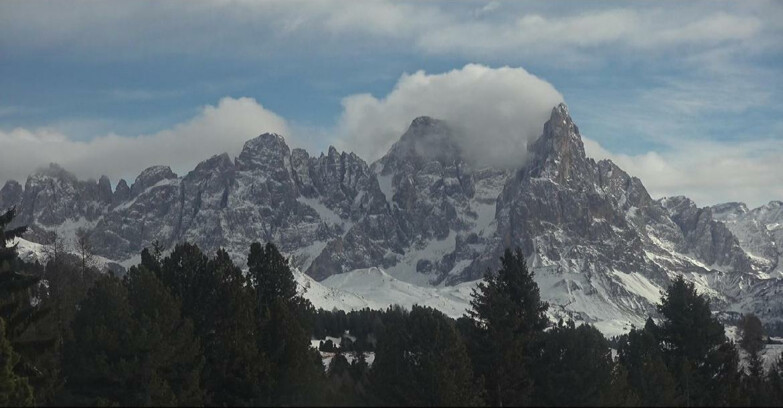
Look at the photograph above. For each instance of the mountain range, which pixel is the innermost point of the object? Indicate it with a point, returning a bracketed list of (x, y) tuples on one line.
[(426, 222)]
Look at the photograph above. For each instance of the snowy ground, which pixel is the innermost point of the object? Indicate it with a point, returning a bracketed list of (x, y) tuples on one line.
[(375, 289)]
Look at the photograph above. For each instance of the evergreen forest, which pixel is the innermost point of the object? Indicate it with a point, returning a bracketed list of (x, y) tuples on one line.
[(194, 329)]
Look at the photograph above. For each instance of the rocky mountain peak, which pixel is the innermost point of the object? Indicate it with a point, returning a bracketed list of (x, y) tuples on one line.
[(121, 192), (10, 194), (600, 246), (729, 211), (268, 151), (559, 153), (151, 176), (264, 142), (770, 213), (54, 171), (427, 139), (216, 163)]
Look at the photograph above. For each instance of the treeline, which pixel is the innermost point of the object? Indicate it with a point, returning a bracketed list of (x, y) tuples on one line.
[(189, 329)]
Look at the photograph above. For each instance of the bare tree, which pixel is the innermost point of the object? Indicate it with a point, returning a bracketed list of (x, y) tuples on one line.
[(54, 249), (83, 247)]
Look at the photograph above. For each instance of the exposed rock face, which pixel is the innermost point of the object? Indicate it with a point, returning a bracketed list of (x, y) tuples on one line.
[(601, 247), (758, 231), (10, 194), (710, 240)]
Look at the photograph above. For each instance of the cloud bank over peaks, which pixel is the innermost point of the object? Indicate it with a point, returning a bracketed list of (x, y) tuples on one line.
[(706, 171), (495, 112), (224, 127)]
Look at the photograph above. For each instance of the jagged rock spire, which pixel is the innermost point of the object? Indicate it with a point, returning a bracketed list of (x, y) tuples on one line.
[(559, 153)]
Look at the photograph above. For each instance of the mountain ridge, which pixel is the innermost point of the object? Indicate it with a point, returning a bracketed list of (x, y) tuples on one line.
[(426, 215)]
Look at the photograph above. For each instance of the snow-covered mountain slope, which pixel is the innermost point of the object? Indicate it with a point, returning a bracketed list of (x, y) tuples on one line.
[(375, 289), (34, 252), (422, 224)]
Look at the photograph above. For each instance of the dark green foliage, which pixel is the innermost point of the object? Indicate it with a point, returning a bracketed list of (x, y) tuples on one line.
[(271, 274), (17, 308), (66, 287), (14, 390), (640, 355), (185, 272), (284, 329), (695, 348), (348, 383), (755, 389), (190, 330), (296, 369), (327, 346), (365, 325), (237, 372), (574, 367), (131, 346), (507, 314), (421, 361), (223, 307), (775, 384), (752, 333)]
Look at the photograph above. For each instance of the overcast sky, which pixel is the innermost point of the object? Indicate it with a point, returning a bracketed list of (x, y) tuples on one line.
[(686, 96)]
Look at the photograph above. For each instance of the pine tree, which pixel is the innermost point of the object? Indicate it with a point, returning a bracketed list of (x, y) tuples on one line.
[(270, 274), (506, 313), (640, 355), (284, 327), (14, 390), (16, 306), (131, 346), (66, 287), (168, 349), (220, 300), (185, 272), (422, 361), (99, 360), (752, 341), (775, 383), (236, 371), (696, 349), (573, 367)]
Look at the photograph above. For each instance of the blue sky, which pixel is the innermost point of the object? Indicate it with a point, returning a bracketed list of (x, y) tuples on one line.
[(685, 96)]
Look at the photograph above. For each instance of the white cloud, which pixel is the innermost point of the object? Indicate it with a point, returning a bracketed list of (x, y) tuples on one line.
[(221, 128), (252, 29), (496, 112), (706, 171)]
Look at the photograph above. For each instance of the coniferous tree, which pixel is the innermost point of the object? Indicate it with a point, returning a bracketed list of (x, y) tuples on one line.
[(67, 286), (222, 303), (696, 349), (639, 353), (574, 367), (236, 371), (775, 383), (131, 346), (14, 390), (99, 359), (506, 315), (16, 306), (169, 351), (421, 361), (271, 274), (284, 328), (752, 342), (343, 387), (185, 272)]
